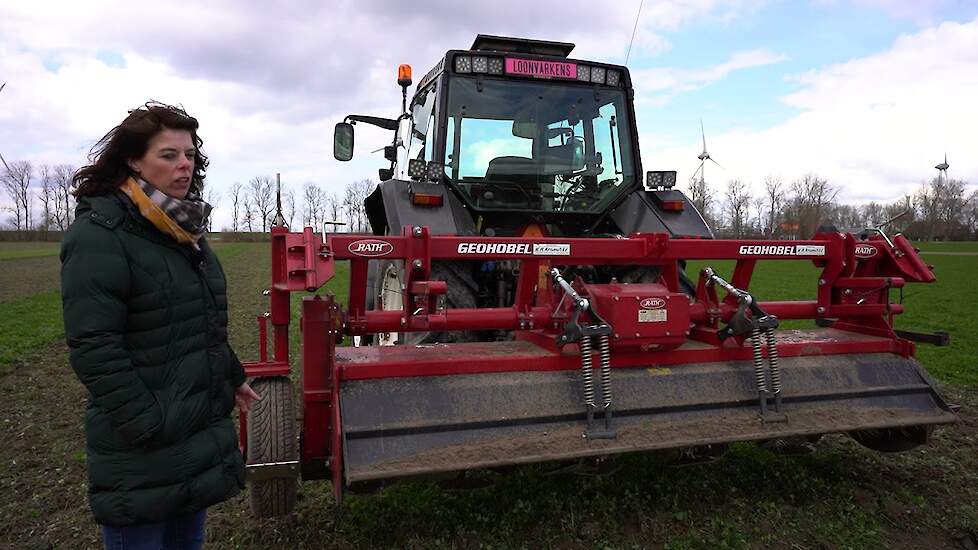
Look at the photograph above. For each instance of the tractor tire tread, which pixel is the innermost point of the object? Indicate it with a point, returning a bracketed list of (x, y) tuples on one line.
[(271, 438)]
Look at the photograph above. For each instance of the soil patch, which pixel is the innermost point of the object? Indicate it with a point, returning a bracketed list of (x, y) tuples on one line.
[(26, 277)]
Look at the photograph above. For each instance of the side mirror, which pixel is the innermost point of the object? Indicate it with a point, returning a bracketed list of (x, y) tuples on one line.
[(343, 141), (578, 163)]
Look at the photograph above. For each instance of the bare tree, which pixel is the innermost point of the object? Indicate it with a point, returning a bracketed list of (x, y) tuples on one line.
[(969, 215), (236, 197), (356, 193), (847, 217), (902, 214), (927, 203), (212, 197), (811, 197), (701, 195), (48, 197), (64, 203), (288, 197), (951, 203), (248, 219), (261, 195), (871, 214), (738, 200), (334, 206), (16, 180), (312, 198), (774, 199)]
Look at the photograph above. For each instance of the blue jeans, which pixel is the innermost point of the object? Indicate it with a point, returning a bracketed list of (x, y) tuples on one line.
[(180, 533)]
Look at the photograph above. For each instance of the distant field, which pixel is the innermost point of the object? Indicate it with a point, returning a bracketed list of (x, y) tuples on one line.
[(843, 496), (959, 246), (18, 251)]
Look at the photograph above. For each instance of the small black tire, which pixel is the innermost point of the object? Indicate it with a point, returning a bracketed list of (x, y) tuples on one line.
[(893, 440), (271, 438)]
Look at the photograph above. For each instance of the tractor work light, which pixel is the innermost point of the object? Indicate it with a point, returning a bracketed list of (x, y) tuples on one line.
[(660, 179), (495, 65), (417, 169), (435, 170), (480, 64), (584, 73), (597, 75), (612, 77), (463, 64)]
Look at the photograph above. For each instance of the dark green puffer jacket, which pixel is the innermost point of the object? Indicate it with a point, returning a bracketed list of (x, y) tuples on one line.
[(146, 322)]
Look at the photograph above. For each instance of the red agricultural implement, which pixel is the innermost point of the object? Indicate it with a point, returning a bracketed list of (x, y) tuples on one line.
[(585, 369)]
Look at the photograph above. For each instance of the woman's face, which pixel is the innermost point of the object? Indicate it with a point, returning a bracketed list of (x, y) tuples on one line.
[(168, 163)]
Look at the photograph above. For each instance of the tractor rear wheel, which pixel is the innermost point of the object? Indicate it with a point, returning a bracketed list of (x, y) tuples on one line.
[(388, 295), (271, 438)]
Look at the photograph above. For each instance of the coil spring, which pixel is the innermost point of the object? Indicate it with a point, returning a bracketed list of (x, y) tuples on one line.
[(586, 371), (772, 359), (755, 342), (605, 350)]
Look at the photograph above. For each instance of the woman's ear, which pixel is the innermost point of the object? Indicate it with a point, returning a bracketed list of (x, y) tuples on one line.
[(133, 166)]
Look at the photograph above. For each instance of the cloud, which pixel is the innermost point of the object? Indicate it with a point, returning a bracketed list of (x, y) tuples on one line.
[(873, 126), (920, 11), (268, 80), (657, 86)]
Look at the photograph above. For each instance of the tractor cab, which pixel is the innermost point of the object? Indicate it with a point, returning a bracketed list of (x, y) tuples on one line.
[(515, 125)]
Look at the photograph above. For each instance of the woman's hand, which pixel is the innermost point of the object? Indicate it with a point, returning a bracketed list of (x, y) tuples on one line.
[(244, 396)]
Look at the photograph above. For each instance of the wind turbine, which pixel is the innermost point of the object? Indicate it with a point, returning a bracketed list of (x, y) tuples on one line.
[(704, 156), (942, 169)]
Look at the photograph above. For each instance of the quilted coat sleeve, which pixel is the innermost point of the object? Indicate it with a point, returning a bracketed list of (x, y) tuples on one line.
[(95, 282), (237, 370)]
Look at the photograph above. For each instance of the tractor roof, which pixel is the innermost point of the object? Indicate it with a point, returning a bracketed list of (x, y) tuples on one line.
[(521, 45)]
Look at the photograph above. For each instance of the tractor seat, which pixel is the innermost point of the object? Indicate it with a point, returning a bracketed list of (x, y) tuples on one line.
[(521, 171)]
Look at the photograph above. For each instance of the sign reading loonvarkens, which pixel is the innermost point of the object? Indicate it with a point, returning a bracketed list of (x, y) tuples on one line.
[(541, 69)]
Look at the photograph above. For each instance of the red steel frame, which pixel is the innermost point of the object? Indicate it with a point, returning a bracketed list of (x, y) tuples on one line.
[(853, 290)]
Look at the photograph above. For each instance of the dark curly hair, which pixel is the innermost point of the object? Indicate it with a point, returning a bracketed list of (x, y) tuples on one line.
[(129, 140)]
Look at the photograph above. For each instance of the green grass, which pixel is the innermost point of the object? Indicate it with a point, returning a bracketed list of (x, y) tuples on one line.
[(29, 324), (954, 246), (944, 305), (841, 497), (32, 322), (18, 250)]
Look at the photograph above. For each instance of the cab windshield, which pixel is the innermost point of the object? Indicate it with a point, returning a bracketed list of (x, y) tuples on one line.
[(544, 147)]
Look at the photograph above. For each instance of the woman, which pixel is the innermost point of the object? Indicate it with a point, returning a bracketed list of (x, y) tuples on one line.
[(145, 312)]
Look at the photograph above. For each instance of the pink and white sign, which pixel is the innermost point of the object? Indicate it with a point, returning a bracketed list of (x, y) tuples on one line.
[(541, 69)]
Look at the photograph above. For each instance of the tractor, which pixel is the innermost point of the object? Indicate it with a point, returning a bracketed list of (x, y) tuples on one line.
[(524, 298)]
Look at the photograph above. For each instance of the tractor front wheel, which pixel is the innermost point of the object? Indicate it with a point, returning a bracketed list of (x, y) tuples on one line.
[(271, 438)]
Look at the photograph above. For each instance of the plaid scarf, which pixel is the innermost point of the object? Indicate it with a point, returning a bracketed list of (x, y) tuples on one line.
[(185, 220)]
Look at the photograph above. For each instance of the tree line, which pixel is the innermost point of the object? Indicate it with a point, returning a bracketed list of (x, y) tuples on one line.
[(38, 198), (945, 209)]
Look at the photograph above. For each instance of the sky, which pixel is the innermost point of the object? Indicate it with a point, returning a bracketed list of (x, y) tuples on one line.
[(869, 94)]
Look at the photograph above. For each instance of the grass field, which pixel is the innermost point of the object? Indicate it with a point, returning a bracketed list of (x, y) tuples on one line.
[(20, 251), (842, 496)]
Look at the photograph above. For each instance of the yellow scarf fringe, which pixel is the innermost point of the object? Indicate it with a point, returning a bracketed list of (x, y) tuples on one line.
[(152, 212)]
